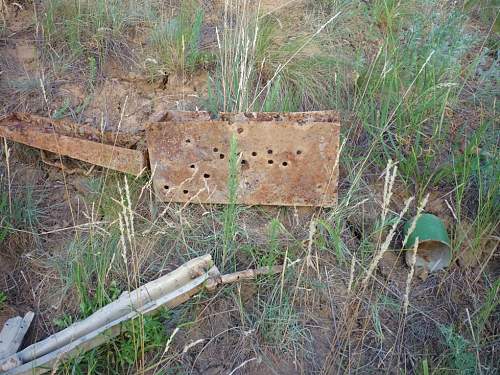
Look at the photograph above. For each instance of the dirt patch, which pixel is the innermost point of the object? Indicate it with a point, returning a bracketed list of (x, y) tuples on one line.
[(7, 312), (272, 6), (26, 54), (126, 101)]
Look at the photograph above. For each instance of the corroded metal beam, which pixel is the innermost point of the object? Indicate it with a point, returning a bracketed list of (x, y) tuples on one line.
[(73, 140)]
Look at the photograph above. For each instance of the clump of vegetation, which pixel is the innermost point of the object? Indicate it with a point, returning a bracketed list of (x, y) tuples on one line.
[(141, 338), (462, 358), (230, 213), (99, 265), (261, 70), (3, 299), (487, 11), (87, 32), (175, 42), (402, 96), (90, 28), (19, 212), (279, 325), (488, 308)]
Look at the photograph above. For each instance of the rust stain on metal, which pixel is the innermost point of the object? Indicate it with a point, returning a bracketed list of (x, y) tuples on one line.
[(284, 159), (73, 140), (184, 116)]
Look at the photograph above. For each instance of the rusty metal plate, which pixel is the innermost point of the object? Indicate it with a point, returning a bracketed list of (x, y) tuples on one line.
[(283, 159), (73, 140)]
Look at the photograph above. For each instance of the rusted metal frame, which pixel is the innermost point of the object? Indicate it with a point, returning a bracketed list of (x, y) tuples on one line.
[(288, 159), (65, 139)]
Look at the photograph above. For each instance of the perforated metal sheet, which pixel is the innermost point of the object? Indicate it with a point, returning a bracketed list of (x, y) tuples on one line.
[(283, 159)]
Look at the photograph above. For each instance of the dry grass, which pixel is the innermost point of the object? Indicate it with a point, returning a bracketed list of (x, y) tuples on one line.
[(4, 10)]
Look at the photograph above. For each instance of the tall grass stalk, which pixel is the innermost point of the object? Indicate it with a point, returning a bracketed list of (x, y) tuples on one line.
[(257, 70), (290, 59), (7, 163), (230, 211), (175, 42), (237, 45)]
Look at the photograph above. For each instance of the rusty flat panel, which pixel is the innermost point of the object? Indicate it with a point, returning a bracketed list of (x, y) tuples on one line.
[(287, 160), (65, 140), (295, 117), (185, 116)]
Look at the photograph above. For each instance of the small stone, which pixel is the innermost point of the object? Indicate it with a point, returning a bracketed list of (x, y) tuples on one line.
[(422, 273), (392, 267), (388, 263)]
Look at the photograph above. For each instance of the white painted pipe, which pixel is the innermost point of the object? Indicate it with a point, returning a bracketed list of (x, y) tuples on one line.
[(127, 303)]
